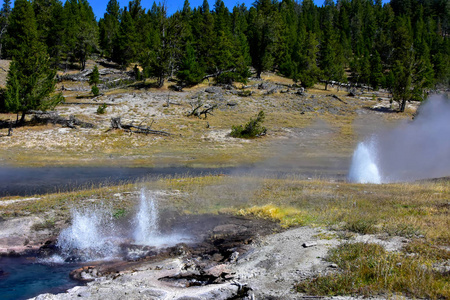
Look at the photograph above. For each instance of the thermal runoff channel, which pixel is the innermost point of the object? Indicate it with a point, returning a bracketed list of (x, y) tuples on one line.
[(414, 150)]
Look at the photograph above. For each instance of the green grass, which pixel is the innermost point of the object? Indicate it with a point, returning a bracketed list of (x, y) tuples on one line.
[(369, 270)]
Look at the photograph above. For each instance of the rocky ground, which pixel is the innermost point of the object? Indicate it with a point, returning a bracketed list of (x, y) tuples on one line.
[(268, 268), (232, 258)]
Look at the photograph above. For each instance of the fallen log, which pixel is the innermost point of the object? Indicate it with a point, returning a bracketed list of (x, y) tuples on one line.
[(116, 123), (336, 97), (43, 117)]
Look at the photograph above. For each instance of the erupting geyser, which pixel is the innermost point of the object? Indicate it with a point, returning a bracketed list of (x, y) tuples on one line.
[(146, 230), (94, 233), (413, 150), (90, 235), (146, 221), (364, 168)]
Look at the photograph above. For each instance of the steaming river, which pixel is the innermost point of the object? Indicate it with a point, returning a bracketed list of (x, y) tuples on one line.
[(33, 181)]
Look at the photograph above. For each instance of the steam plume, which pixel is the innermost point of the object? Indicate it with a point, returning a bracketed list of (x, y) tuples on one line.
[(414, 150)]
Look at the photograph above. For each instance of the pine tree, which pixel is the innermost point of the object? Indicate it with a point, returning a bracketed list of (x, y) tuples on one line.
[(109, 27), (330, 52), (30, 81), (4, 22), (307, 70), (94, 80), (80, 31), (203, 30), (158, 61), (126, 41), (264, 32), (55, 36), (189, 71), (376, 71)]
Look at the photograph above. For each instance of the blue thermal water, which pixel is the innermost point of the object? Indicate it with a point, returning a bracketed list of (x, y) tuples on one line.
[(21, 278)]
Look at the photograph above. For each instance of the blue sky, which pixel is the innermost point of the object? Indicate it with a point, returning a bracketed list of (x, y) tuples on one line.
[(99, 6)]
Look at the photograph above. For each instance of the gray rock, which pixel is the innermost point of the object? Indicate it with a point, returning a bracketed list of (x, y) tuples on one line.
[(264, 86), (213, 90)]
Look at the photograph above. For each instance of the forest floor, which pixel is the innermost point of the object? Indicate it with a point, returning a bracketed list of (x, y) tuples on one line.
[(284, 229)]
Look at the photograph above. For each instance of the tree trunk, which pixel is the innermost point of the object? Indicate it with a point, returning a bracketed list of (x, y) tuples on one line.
[(258, 74), (326, 85), (22, 119), (402, 105), (161, 81)]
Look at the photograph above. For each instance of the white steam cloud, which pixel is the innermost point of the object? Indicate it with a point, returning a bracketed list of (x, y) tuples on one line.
[(417, 149)]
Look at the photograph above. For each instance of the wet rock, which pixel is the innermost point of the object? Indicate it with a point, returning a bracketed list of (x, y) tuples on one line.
[(86, 273), (48, 249)]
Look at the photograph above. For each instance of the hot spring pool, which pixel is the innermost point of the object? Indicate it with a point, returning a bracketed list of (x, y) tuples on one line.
[(23, 278)]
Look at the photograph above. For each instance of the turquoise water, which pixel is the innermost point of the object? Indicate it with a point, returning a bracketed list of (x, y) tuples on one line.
[(23, 278)]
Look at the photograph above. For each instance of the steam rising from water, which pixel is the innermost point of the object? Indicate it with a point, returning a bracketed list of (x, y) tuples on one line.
[(94, 234), (413, 150)]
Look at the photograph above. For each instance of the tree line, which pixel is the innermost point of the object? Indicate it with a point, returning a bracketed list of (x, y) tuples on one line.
[(403, 46)]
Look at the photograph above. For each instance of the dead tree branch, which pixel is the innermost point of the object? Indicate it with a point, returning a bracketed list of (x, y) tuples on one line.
[(43, 117), (198, 109), (117, 124)]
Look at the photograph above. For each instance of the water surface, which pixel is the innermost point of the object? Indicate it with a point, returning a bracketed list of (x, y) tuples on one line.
[(22, 278), (32, 181)]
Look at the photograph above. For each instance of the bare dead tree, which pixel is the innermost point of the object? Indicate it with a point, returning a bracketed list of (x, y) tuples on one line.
[(198, 109)]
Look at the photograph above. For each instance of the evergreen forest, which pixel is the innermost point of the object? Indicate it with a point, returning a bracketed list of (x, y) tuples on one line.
[(402, 46)]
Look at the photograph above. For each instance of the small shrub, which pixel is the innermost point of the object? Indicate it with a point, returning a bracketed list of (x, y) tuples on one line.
[(95, 90), (252, 129), (101, 109), (363, 226)]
